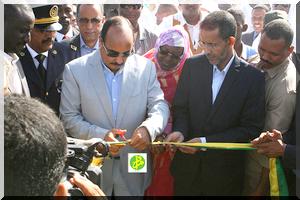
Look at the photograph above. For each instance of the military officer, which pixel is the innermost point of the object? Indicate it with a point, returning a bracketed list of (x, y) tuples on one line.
[(42, 59)]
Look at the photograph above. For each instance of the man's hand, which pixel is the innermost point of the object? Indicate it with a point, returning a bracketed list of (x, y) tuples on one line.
[(270, 144), (175, 136), (87, 187), (61, 192), (271, 149), (190, 150), (111, 137), (157, 149), (261, 139), (140, 138), (267, 137)]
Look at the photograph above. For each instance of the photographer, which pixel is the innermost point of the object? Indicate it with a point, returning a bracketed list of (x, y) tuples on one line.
[(35, 151)]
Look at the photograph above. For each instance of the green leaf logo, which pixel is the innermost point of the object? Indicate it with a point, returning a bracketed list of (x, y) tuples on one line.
[(137, 162)]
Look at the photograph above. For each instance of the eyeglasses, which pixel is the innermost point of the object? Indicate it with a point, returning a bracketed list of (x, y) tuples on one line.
[(94, 20), (133, 6), (207, 45), (166, 52), (114, 54)]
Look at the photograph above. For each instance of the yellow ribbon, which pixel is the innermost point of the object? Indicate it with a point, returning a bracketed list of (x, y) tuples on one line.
[(215, 145), (273, 175), (274, 187)]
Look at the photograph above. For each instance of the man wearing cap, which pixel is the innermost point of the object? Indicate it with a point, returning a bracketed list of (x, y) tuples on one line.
[(89, 19), (19, 21), (274, 14), (42, 59)]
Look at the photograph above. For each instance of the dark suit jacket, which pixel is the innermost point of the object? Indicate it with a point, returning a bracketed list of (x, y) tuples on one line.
[(247, 38), (55, 66), (289, 138), (296, 60), (237, 115), (72, 47), (289, 158)]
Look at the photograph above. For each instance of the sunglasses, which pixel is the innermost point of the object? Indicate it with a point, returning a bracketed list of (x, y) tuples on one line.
[(166, 52), (94, 20), (114, 54), (133, 6)]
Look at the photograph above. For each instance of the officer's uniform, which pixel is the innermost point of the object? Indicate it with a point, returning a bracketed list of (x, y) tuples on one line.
[(48, 91), (73, 47)]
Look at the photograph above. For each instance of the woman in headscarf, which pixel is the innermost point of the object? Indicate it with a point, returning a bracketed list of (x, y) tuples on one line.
[(171, 50)]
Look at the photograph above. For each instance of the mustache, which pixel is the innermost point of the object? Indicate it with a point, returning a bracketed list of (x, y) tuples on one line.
[(48, 40), (266, 61), (117, 64)]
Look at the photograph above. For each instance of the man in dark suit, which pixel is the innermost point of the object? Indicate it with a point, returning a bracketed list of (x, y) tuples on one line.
[(257, 19), (90, 19), (42, 59), (219, 98)]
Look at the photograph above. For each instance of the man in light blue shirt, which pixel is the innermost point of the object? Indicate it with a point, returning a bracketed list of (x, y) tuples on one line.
[(85, 49), (90, 20), (218, 78), (112, 89), (113, 83), (219, 98)]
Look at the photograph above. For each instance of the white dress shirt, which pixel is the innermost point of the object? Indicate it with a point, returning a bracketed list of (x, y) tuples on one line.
[(33, 54), (218, 78)]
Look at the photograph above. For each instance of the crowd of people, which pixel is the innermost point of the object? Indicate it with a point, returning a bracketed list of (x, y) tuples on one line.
[(171, 73)]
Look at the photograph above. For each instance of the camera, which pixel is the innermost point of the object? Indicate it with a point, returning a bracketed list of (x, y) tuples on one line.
[(80, 155)]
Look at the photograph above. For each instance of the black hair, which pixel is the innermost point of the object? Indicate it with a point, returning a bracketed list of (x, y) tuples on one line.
[(279, 29), (34, 148), (12, 11), (222, 20), (237, 14)]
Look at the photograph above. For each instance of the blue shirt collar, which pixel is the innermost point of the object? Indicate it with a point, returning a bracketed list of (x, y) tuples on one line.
[(83, 45)]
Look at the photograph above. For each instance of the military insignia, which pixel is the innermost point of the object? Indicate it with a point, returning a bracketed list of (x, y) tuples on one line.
[(22, 53), (53, 11), (73, 47), (54, 52)]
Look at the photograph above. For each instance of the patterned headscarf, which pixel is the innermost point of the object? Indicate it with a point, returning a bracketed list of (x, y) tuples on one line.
[(178, 37)]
